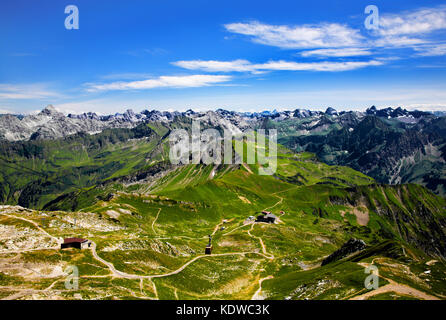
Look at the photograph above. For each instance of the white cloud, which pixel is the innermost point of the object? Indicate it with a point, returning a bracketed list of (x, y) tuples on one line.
[(411, 28), (25, 91), (397, 41), (416, 22), (431, 50), (318, 66), (298, 37), (338, 52), (405, 29), (190, 81), (215, 66), (246, 66)]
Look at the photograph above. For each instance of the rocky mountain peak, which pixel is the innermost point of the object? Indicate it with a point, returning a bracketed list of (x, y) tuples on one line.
[(331, 111), (371, 110), (49, 110), (51, 124)]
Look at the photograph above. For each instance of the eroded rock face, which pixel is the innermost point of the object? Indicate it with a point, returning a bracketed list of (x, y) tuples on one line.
[(351, 246), (51, 124)]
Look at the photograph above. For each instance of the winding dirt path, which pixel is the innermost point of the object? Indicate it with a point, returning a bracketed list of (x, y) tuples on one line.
[(393, 286), (24, 292), (278, 202), (242, 226), (397, 288), (220, 224), (29, 250), (269, 255), (154, 221), (154, 289), (247, 168), (281, 198), (110, 265), (33, 223), (184, 266), (122, 274), (257, 295)]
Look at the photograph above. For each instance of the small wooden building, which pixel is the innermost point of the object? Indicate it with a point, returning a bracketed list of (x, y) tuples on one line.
[(75, 243), (268, 218)]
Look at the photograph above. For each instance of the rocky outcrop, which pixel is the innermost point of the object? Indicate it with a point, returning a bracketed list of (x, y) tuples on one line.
[(348, 248), (51, 124)]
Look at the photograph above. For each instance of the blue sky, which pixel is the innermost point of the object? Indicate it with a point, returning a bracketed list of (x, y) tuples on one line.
[(238, 55)]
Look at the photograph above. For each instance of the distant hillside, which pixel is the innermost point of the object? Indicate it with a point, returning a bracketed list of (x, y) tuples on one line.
[(391, 145)]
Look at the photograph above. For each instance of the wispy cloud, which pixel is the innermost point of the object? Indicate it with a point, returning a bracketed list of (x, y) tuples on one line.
[(239, 65), (431, 50), (410, 28), (397, 41), (189, 81), (417, 22), (319, 66), (324, 35), (246, 66), (338, 52), (26, 91), (414, 29)]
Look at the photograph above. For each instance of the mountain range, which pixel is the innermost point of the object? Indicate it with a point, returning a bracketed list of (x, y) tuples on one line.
[(351, 190), (51, 124), (391, 145)]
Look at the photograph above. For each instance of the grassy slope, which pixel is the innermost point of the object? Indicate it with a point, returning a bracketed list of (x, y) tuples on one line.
[(33, 173), (158, 229)]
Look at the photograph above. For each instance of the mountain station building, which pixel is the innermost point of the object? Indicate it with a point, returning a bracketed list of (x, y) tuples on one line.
[(75, 243)]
